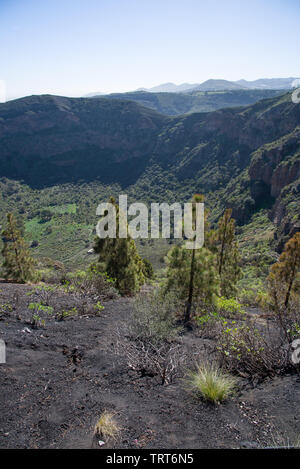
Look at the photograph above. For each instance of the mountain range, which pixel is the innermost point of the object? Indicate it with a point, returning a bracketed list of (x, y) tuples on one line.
[(219, 84)]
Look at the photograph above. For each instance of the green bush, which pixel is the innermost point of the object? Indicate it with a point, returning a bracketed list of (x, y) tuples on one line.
[(37, 310), (229, 305), (64, 314)]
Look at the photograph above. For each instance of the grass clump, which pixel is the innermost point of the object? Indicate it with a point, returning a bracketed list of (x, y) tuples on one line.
[(211, 383), (107, 427)]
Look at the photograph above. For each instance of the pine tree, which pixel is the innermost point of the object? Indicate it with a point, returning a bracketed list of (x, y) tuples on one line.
[(18, 265), (148, 269), (224, 244), (193, 275), (192, 272), (284, 277), (121, 260)]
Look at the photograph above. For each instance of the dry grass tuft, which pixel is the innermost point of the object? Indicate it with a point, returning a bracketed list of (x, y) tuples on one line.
[(107, 427)]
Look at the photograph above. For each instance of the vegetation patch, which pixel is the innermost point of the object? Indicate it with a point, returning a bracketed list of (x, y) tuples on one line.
[(211, 383)]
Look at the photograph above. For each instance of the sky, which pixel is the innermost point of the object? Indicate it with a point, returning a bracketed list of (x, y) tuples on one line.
[(76, 47)]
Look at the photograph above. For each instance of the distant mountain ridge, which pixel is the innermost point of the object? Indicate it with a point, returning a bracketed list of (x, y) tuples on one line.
[(219, 84), (269, 83), (170, 88)]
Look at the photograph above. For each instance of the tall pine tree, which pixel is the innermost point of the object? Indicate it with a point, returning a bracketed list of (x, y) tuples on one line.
[(223, 243), (284, 277), (192, 272), (18, 265), (120, 259), (193, 275)]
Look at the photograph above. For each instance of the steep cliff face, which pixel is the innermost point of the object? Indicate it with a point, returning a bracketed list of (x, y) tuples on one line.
[(216, 147), (277, 164), (286, 213), (275, 168), (284, 174)]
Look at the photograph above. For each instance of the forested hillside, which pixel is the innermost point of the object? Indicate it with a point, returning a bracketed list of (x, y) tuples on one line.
[(60, 157)]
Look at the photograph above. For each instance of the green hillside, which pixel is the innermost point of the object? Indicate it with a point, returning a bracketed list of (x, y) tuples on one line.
[(60, 157)]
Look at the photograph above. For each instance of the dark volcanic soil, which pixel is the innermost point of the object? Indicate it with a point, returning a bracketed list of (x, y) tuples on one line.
[(60, 378)]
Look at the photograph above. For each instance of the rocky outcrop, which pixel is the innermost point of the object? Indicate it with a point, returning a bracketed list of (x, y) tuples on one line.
[(277, 164), (283, 175), (275, 169)]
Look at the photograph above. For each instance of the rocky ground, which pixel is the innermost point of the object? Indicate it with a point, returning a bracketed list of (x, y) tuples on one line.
[(59, 378)]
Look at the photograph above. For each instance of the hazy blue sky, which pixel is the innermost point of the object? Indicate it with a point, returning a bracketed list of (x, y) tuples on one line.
[(73, 47)]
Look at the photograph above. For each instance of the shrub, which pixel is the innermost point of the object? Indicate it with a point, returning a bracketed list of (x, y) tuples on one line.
[(213, 322), (288, 320), (37, 310), (52, 276), (154, 317), (98, 307), (64, 314), (149, 343), (230, 306), (210, 324), (92, 283), (205, 319), (162, 359), (245, 350), (44, 293), (248, 296), (211, 383)]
